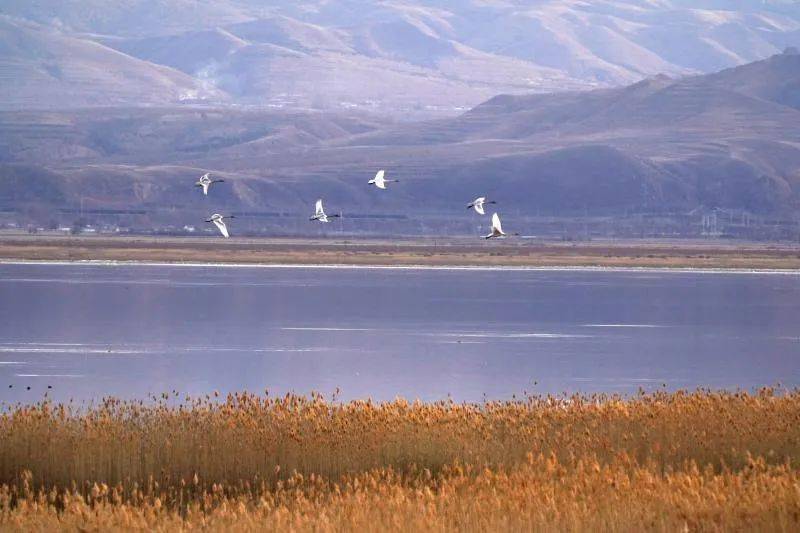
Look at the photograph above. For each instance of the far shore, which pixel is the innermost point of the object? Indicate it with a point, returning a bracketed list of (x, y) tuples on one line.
[(512, 252)]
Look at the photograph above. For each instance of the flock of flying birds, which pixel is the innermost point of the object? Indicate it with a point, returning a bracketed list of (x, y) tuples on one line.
[(378, 181)]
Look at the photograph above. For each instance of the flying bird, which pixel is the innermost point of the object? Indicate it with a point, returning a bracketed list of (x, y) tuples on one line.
[(219, 221), (205, 182), (320, 213), (478, 203), (380, 181), (497, 229)]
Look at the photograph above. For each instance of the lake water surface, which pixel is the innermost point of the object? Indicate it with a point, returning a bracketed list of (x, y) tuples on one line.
[(128, 330)]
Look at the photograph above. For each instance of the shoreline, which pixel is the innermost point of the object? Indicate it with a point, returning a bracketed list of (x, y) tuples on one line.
[(475, 268), (453, 253)]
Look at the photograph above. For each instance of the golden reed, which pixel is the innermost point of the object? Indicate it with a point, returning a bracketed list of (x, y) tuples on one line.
[(662, 461)]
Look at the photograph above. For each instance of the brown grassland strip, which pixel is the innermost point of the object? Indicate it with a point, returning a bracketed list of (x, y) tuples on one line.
[(457, 252), (662, 461)]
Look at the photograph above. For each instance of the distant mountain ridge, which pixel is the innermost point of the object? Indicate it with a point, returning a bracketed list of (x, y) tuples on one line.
[(43, 68), (728, 140), (420, 57)]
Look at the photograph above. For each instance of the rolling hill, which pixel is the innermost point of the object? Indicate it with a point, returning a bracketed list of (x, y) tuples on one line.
[(728, 140), (41, 67), (406, 58)]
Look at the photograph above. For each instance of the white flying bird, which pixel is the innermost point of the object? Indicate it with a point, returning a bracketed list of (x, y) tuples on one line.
[(319, 213), (497, 229), (219, 221), (379, 181), (205, 182), (478, 203)]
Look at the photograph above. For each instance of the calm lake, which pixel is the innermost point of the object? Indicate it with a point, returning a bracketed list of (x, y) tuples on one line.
[(128, 330)]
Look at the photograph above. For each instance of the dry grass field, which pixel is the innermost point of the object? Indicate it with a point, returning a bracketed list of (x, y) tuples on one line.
[(681, 461)]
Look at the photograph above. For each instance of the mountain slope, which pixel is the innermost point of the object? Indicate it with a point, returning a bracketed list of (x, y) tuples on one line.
[(662, 145), (421, 57), (41, 67)]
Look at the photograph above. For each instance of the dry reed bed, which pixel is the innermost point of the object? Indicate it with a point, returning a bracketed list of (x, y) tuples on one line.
[(660, 461)]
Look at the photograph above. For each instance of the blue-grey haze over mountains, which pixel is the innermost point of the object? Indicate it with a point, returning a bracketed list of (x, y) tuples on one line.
[(293, 100), (387, 56)]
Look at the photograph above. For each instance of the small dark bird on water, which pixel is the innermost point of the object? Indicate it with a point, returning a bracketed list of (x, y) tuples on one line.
[(49, 386), (28, 387)]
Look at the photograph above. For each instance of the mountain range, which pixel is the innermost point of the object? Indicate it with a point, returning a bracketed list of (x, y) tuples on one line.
[(609, 109), (406, 58), (728, 140)]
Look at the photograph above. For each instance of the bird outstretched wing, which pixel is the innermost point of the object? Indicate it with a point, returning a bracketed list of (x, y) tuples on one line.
[(222, 227), (496, 227)]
